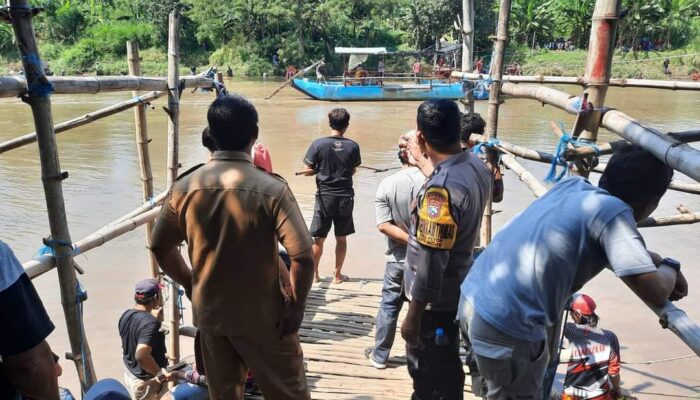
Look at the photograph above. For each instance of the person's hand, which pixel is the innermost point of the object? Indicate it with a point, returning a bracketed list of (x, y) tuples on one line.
[(410, 329), (681, 288), (292, 315)]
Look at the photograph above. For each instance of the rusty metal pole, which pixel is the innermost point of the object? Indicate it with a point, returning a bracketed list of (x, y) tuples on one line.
[(38, 97), (601, 47), (494, 102)]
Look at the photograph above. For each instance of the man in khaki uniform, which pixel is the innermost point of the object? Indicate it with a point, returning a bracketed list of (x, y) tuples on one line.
[(232, 216)]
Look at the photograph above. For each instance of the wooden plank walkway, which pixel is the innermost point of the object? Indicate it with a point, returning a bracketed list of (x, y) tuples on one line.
[(338, 326)]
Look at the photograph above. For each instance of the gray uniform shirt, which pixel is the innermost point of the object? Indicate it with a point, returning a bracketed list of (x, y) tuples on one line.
[(392, 203), (446, 218)]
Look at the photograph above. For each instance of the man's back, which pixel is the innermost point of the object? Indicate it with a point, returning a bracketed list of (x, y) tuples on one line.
[(140, 327), (334, 159), (232, 215), (521, 281)]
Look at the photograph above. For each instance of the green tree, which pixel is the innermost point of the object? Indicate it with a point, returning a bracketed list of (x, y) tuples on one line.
[(574, 20), (531, 20)]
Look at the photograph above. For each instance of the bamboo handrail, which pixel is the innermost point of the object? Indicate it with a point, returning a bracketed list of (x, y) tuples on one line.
[(52, 177), (537, 188), (14, 86), (581, 81), (43, 264), (83, 120), (675, 319), (678, 219)]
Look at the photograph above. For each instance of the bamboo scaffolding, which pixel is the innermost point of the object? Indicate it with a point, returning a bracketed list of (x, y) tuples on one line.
[(43, 264), (467, 29), (679, 219), (83, 120), (52, 177), (148, 205), (675, 319), (141, 132), (581, 81), (173, 112), (491, 132), (538, 189), (14, 86)]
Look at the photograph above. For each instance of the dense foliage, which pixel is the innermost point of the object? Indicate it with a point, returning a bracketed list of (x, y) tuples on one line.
[(89, 35)]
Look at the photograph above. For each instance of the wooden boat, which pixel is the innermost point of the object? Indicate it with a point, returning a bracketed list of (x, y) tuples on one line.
[(378, 86)]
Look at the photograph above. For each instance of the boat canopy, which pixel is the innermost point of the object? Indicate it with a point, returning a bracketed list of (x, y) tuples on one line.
[(361, 50)]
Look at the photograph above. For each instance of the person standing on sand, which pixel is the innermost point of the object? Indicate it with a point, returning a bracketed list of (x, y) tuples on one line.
[(446, 217), (392, 206), (518, 287), (333, 159), (232, 216)]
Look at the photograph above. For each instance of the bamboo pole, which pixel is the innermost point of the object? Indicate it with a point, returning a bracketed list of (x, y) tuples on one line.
[(679, 219), (675, 319), (468, 46), (538, 189), (38, 97), (597, 77), (150, 204), (173, 163), (83, 120), (43, 264), (290, 80), (14, 86), (581, 81), (141, 131), (499, 49)]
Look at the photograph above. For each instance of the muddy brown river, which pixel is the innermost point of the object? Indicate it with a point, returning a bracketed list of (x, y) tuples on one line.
[(104, 183)]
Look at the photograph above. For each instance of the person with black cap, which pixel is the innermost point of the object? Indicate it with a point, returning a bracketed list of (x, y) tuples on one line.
[(143, 344), (593, 371)]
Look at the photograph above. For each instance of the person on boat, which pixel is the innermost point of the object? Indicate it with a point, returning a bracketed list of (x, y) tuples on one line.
[(593, 371), (143, 343), (25, 327), (479, 65), (250, 211), (392, 207), (380, 68), (333, 159), (518, 287), (416, 69), (319, 72), (447, 214), (361, 75), (291, 71), (473, 124)]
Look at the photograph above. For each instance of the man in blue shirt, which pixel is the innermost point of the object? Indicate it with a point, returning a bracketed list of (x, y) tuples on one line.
[(26, 366), (518, 287)]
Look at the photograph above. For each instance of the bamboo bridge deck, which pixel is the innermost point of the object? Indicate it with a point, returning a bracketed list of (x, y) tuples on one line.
[(338, 326)]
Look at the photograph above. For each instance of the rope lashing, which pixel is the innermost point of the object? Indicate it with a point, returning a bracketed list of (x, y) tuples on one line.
[(559, 156), (49, 248), (40, 87), (491, 143)]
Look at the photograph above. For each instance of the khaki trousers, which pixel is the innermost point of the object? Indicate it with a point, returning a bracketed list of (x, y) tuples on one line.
[(140, 389), (277, 363)]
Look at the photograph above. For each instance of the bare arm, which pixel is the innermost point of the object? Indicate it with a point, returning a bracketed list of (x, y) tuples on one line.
[(145, 359), (393, 232), (653, 287), (308, 171), (33, 373)]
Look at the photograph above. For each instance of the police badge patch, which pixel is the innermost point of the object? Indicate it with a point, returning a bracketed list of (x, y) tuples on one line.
[(436, 228)]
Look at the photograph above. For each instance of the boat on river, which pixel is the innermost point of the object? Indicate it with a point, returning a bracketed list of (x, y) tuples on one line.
[(358, 84)]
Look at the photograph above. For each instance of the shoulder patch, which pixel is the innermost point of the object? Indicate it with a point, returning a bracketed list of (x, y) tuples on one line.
[(436, 228), (189, 171)]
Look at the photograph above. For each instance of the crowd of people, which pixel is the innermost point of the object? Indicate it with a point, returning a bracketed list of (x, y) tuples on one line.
[(248, 298)]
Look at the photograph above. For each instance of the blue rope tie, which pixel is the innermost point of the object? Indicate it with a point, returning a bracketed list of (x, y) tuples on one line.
[(48, 249), (152, 201), (180, 307), (558, 159), (491, 143), (39, 87)]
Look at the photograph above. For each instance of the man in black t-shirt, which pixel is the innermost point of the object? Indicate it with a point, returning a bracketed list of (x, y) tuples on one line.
[(143, 344), (333, 160)]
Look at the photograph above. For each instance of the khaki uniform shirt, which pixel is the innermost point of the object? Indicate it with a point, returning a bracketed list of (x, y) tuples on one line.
[(446, 218), (232, 216)]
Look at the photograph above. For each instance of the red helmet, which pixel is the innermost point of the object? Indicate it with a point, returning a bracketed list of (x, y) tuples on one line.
[(583, 304)]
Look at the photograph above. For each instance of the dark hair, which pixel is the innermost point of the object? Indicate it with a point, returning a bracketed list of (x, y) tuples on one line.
[(208, 141), (339, 119), (403, 157), (590, 320), (145, 300), (634, 174), (470, 123), (233, 122), (438, 120)]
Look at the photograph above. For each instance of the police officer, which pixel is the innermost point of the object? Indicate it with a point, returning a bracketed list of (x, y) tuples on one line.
[(445, 225)]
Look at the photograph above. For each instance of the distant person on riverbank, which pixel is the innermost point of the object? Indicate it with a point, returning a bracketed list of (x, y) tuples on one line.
[(25, 327), (446, 217), (291, 71), (518, 287), (695, 76), (232, 216), (392, 208), (333, 159), (416, 69), (593, 371), (143, 344), (229, 71), (479, 65), (667, 69)]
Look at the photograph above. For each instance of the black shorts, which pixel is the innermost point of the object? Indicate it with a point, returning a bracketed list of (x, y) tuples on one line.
[(336, 210)]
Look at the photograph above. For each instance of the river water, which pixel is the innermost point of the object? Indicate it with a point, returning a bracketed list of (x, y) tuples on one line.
[(105, 183)]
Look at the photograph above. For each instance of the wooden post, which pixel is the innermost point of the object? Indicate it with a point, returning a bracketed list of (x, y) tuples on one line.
[(494, 103), (598, 66), (173, 163), (38, 97), (468, 46), (132, 52)]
